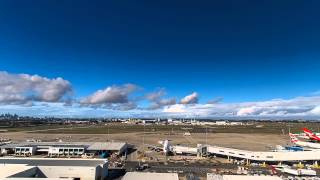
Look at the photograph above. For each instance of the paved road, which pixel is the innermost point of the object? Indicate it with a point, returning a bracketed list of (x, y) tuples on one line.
[(181, 168)]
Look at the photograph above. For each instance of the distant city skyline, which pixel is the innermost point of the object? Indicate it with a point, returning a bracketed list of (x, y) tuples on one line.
[(230, 59)]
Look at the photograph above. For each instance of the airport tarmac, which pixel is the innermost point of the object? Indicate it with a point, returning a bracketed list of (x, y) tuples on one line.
[(255, 142)]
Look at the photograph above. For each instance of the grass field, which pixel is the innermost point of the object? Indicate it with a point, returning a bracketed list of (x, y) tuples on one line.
[(112, 128)]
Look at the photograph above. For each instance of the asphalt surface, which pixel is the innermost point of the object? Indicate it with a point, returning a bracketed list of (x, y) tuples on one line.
[(181, 168)]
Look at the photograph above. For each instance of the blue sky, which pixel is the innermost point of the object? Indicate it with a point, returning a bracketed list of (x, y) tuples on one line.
[(234, 51)]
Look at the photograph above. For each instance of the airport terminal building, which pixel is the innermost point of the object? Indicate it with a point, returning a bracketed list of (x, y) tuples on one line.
[(63, 149)]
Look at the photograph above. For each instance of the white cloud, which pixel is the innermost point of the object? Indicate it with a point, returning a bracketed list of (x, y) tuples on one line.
[(246, 111), (315, 111), (178, 108), (25, 88), (157, 100), (190, 99), (154, 96), (112, 97)]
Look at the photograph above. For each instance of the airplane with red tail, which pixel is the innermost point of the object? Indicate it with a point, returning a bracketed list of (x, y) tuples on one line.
[(310, 134), (296, 141)]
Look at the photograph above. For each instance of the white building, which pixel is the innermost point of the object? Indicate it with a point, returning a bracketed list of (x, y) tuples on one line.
[(24, 150), (211, 176), (45, 148), (112, 147), (72, 149), (221, 123), (75, 169), (236, 123), (66, 151), (281, 156), (207, 123)]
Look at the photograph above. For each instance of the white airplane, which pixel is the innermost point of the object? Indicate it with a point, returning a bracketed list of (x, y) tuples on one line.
[(296, 141), (167, 147)]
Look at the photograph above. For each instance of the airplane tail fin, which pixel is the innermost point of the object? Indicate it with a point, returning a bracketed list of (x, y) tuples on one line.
[(307, 131), (293, 138)]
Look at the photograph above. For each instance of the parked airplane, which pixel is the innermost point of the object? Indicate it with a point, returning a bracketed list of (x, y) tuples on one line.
[(166, 147), (310, 134), (296, 141), (301, 135)]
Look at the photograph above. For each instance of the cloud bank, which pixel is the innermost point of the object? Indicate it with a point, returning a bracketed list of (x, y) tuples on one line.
[(24, 93), (24, 88), (297, 107)]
